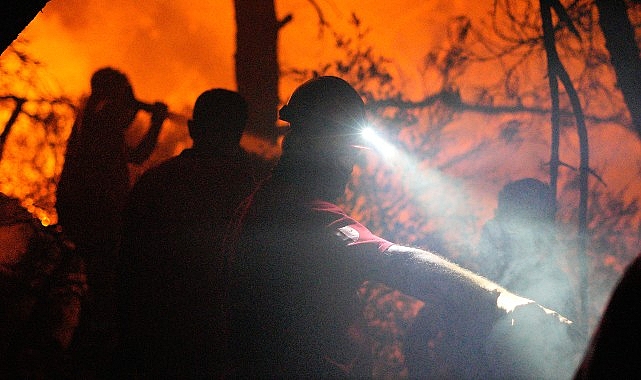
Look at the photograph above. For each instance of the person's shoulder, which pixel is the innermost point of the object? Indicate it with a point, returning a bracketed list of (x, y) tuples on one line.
[(346, 229), (326, 207), (159, 173), (165, 167)]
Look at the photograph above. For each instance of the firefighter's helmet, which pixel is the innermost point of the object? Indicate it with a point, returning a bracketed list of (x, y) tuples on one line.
[(325, 105)]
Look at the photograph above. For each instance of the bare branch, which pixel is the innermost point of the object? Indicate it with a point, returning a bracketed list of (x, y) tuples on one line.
[(285, 20), (319, 12), (12, 120), (453, 100)]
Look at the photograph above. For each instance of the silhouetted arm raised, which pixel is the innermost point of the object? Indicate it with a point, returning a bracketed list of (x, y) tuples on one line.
[(143, 150)]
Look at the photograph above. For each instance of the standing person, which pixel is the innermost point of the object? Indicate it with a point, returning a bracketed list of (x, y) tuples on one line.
[(520, 247), (172, 269), (91, 195), (298, 260)]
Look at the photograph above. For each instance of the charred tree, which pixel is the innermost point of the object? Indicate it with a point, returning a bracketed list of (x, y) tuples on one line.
[(19, 102), (556, 74), (257, 67), (624, 54)]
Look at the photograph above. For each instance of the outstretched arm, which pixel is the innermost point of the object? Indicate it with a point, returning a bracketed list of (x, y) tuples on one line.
[(429, 277), (490, 329), (143, 150)]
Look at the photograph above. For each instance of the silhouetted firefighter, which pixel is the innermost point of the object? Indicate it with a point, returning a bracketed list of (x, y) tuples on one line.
[(297, 261), (91, 194), (521, 250), (171, 272)]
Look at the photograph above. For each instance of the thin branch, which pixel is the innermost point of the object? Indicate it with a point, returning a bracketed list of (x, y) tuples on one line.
[(12, 120), (453, 100)]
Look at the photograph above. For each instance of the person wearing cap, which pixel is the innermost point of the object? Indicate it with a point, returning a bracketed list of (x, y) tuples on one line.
[(171, 266), (95, 179), (297, 260), (91, 194), (520, 248)]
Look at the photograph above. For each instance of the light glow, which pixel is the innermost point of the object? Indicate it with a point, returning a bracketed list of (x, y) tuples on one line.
[(375, 141)]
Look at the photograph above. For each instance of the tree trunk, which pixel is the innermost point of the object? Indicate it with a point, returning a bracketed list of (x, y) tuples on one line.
[(624, 54), (557, 72), (257, 69)]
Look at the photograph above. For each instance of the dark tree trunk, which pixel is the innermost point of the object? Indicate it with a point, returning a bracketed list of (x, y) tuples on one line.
[(257, 69), (557, 73), (624, 54), (15, 16)]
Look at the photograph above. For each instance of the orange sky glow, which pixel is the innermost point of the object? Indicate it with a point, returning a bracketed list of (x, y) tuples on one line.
[(174, 50)]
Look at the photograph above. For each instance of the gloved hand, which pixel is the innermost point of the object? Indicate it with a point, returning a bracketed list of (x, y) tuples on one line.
[(159, 113)]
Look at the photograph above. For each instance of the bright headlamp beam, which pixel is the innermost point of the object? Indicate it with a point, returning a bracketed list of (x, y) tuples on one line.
[(375, 141)]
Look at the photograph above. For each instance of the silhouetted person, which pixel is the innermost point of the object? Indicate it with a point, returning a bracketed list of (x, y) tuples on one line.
[(298, 260), (171, 267), (520, 247), (91, 194), (615, 348)]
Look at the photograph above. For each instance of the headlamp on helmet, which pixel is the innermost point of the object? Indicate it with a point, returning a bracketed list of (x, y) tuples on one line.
[(326, 106)]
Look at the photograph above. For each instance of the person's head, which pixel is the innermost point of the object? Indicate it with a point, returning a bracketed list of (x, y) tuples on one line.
[(526, 199), (326, 116), (111, 83), (113, 98), (218, 120)]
